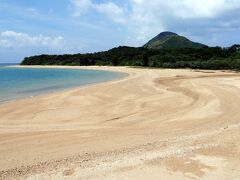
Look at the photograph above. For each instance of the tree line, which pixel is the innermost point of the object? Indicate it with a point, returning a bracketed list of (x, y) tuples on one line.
[(195, 58)]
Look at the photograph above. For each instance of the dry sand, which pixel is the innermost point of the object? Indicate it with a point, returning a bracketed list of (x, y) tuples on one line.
[(153, 124)]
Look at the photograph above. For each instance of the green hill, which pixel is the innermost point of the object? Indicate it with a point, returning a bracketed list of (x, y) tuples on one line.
[(171, 40)]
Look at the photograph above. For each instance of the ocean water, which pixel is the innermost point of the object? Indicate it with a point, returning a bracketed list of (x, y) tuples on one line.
[(17, 83)]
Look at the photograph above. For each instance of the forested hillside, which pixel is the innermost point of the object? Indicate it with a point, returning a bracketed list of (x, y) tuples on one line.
[(201, 58)]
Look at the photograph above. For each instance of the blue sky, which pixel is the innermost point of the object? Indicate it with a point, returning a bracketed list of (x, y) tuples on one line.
[(79, 26)]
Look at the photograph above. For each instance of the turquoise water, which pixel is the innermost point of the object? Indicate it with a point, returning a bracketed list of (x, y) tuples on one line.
[(17, 83)]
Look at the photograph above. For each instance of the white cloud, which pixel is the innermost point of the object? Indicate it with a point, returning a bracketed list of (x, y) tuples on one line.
[(186, 8), (81, 6), (112, 11), (109, 9), (12, 39)]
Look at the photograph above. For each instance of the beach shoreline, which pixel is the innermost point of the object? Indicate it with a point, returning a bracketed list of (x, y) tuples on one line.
[(153, 123), (123, 75)]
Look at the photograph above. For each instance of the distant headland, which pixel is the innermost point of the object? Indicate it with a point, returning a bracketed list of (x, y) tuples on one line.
[(166, 50)]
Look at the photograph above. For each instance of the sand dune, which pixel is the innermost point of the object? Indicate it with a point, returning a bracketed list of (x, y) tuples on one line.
[(152, 124)]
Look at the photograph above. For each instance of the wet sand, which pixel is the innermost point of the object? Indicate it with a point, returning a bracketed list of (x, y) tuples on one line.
[(152, 124)]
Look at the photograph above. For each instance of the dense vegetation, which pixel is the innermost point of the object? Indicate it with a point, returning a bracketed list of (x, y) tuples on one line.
[(196, 58)]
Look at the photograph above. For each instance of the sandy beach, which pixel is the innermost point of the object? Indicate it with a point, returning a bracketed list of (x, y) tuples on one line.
[(152, 124)]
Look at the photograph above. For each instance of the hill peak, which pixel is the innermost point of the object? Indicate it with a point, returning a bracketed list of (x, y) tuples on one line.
[(171, 40), (165, 34)]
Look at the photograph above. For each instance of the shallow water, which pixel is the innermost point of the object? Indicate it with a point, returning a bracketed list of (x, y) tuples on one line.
[(17, 83)]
